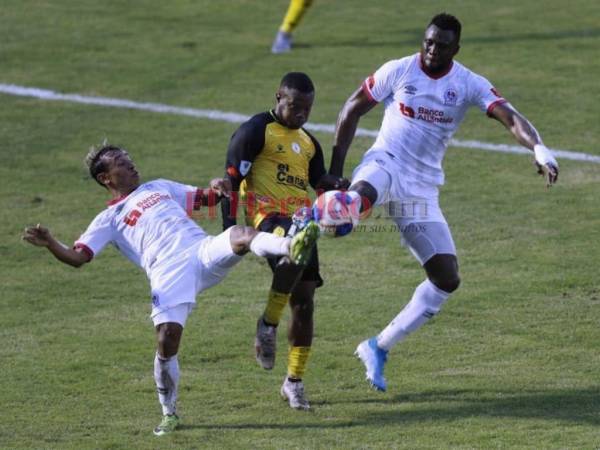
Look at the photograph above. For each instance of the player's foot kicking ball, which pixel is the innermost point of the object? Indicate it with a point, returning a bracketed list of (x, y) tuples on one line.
[(374, 359), (303, 242)]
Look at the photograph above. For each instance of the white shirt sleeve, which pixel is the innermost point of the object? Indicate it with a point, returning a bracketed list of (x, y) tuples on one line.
[(483, 94), (382, 83), (98, 234), (183, 194)]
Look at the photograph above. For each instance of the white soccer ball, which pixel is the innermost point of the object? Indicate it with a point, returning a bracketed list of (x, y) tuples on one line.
[(336, 212)]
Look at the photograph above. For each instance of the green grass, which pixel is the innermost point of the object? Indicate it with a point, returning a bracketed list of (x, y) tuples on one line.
[(512, 360)]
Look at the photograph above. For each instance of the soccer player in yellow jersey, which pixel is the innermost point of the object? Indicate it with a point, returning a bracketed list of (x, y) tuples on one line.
[(271, 161), (283, 39)]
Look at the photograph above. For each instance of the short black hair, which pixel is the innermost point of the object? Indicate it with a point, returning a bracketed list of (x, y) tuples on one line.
[(299, 81), (447, 22), (94, 162)]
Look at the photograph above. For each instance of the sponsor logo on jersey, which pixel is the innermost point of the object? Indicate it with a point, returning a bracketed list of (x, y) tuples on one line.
[(433, 115), (426, 114), (450, 97), (245, 167), (283, 177), (280, 149), (407, 110), (296, 147), (410, 89), (132, 217)]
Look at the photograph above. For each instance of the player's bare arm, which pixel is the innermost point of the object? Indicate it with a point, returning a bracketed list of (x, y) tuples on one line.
[(41, 237), (357, 105), (526, 134)]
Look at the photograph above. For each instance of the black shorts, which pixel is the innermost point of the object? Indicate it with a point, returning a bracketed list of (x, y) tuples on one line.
[(311, 271)]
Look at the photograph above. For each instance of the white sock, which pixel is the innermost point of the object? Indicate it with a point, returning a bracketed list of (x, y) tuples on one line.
[(166, 376), (424, 304), (267, 244)]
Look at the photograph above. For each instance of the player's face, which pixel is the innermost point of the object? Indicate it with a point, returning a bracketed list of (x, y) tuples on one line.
[(438, 48), (293, 107), (121, 173)]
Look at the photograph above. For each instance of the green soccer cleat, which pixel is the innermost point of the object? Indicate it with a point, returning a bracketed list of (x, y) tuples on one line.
[(303, 243), (168, 424)]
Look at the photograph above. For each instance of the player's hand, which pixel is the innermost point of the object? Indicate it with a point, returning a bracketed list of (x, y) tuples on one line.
[(546, 164), (221, 186), (329, 182), (38, 235)]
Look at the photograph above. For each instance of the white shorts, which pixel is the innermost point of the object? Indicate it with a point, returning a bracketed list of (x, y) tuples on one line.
[(412, 205), (178, 314), (178, 280)]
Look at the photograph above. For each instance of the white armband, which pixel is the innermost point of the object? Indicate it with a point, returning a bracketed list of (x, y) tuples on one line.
[(543, 156)]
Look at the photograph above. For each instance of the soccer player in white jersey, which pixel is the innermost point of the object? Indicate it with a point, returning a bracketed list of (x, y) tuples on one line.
[(425, 97), (149, 224)]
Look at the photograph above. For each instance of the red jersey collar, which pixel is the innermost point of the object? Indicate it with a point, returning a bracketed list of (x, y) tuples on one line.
[(114, 201)]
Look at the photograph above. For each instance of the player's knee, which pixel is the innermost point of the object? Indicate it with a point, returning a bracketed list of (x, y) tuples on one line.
[(168, 337), (240, 238), (367, 192), (448, 283), (303, 310)]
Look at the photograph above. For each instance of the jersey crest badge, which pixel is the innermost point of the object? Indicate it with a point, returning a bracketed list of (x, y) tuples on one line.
[(450, 97), (296, 147), (245, 167)]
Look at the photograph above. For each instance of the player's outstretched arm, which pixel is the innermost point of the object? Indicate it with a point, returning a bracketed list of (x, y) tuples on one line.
[(356, 106), (41, 237), (526, 134)]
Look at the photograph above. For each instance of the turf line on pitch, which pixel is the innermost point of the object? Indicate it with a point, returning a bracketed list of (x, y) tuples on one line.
[(233, 117)]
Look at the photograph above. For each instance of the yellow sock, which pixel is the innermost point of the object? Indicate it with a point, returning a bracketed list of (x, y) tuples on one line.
[(294, 14), (275, 306), (297, 358)]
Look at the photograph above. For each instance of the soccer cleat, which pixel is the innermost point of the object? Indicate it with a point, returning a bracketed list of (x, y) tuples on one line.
[(168, 424), (293, 392), (265, 344), (282, 43), (374, 359), (303, 242)]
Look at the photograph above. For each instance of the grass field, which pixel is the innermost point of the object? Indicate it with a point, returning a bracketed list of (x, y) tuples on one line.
[(511, 362)]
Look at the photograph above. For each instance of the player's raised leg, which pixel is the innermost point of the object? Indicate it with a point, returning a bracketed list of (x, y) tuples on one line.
[(298, 248)]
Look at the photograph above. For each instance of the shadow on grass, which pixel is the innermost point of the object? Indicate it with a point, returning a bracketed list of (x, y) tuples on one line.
[(565, 405), (577, 406), (414, 36)]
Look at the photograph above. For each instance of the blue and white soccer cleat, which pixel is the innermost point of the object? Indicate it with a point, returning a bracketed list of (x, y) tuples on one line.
[(374, 359)]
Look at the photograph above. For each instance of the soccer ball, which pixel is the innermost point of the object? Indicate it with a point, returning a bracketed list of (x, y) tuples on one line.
[(336, 212)]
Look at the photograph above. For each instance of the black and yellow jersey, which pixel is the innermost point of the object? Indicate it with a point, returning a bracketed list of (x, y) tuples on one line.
[(271, 166)]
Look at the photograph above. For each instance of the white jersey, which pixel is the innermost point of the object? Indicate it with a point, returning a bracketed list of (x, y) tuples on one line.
[(422, 113), (148, 226)]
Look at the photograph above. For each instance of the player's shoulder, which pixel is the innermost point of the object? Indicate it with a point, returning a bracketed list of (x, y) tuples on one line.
[(312, 138), (465, 72), (398, 65), (258, 121)]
